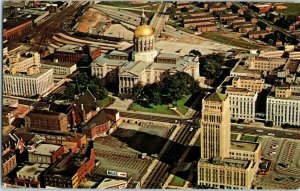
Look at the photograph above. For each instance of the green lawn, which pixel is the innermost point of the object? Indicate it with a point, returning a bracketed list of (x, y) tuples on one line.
[(180, 104), (248, 138), (177, 181), (163, 109), (292, 8), (105, 102), (234, 136), (216, 36)]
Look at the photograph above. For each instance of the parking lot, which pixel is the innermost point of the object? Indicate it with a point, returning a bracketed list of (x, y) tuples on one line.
[(284, 155)]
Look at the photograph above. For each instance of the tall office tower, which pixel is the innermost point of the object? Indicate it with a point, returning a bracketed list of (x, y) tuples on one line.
[(215, 126)]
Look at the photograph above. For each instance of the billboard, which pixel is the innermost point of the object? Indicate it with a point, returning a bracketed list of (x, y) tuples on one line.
[(111, 173), (122, 174)]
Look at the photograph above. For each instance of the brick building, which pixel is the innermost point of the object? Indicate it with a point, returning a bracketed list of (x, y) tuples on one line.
[(45, 153), (207, 28), (71, 170), (13, 28), (9, 161), (46, 120), (101, 123), (61, 138), (85, 107), (76, 53), (258, 34), (9, 114)]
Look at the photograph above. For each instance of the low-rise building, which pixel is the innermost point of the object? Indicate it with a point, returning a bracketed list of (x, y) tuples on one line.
[(283, 106), (9, 161), (258, 34), (23, 85), (9, 114), (249, 83), (31, 176), (245, 151), (242, 103), (75, 53), (71, 170), (45, 153), (226, 173), (207, 28), (16, 28), (44, 120), (100, 124), (85, 107), (60, 68), (61, 138), (271, 53), (266, 64)]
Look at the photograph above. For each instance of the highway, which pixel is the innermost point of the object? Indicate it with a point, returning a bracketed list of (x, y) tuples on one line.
[(159, 19)]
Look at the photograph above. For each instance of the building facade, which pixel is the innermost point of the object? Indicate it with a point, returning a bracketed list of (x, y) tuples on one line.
[(283, 107), (46, 120), (215, 126), (28, 85), (45, 153), (242, 103), (30, 176), (147, 64)]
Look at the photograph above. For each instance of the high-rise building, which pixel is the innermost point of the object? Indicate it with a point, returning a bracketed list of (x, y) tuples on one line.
[(223, 164), (215, 126)]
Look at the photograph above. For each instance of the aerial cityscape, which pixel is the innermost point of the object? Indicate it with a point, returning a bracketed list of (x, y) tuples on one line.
[(151, 95)]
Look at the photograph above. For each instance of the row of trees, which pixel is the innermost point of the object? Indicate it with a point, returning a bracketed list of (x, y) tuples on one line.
[(169, 90), (83, 81)]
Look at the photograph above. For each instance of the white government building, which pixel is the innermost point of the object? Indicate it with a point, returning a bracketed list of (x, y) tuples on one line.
[(23, 75), (144, 64)]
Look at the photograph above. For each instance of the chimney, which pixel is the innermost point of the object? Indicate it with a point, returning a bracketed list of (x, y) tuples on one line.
[(82, 107)]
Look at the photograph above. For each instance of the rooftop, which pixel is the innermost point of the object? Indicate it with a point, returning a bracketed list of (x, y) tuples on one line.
[(70, 48), (107, 182), (34, 169), (67, 166), (165, 55), (87, 100), (61, 64), (237, 163), (216, 96), (99, 119), (46, 149), (44, 112), (246, 146)]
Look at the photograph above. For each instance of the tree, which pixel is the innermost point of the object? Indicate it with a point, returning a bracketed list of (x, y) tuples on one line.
[(70, 91), (83, 79), (137, 89), (195, 53), (184, 10), (211, 64)]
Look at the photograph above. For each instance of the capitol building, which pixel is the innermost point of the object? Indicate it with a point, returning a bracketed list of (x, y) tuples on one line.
[(143, 63)]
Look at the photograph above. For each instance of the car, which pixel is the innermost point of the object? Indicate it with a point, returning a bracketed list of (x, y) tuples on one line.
[(191, 129), (240, 127), (271, 134), (288, 133), (260, 130), (154, 155)]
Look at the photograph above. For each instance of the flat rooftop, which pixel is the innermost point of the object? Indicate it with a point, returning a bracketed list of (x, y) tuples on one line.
[(46, 149), (34, 169), (68, 165), (246, 146), (230, 162), (60, 64)]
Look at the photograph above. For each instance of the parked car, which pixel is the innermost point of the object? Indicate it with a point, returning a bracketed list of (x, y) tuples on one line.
[(271, 134), (240, 127), (260, 130)]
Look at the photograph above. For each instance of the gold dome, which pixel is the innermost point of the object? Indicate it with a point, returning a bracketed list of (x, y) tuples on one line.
[(143, 30)]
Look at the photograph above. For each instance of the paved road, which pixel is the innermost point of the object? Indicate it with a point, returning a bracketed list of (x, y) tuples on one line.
[(171, 156), (254, 130)]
